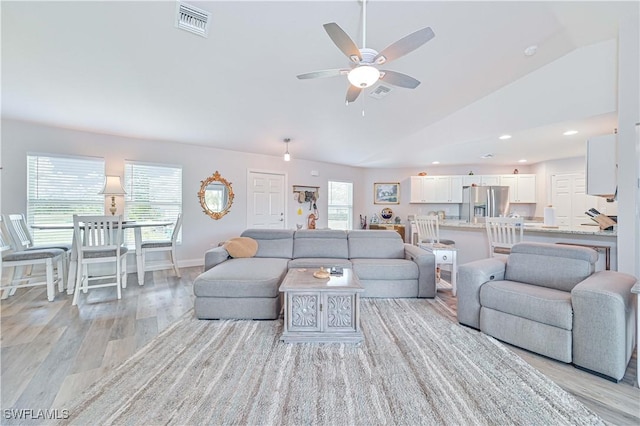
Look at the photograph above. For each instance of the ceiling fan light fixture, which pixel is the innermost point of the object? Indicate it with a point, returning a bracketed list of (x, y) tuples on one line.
[(363, 76)]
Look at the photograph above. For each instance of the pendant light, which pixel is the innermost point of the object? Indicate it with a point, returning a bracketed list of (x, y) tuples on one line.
[(287, 156)]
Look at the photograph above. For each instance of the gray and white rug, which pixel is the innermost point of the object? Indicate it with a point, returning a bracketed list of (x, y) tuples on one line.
[(416, 366)]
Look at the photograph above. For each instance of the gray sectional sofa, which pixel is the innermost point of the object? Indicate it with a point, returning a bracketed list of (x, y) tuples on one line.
[(248, 287), (546, 298)]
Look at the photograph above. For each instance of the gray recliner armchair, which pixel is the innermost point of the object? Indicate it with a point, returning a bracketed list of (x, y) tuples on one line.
[(546, 298)]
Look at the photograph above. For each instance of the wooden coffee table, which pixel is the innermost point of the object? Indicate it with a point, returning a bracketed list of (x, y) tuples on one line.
[(321, 310)]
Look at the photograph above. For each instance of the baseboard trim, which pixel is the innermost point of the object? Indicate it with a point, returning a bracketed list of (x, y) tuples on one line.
[(186, 263)]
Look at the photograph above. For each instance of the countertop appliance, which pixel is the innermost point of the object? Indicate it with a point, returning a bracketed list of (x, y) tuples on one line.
[(479, 202)]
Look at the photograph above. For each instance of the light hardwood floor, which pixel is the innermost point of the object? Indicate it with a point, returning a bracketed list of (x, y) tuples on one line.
[(51, 351)]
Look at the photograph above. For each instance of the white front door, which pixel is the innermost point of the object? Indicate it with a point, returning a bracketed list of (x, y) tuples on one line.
[(265, 200)]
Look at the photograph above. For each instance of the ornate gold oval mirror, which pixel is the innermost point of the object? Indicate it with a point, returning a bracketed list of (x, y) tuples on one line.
[(216, 196)]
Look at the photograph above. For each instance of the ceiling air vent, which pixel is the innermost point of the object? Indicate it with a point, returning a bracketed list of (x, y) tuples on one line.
[(192, 19), (380, 92)]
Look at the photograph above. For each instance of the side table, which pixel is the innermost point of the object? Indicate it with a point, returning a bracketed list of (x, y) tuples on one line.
[(445, 255)]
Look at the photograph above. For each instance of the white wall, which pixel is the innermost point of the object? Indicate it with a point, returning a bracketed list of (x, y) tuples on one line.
[(200, 232)]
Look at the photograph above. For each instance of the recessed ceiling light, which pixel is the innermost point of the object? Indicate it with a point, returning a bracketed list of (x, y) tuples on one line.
[(505, 137), (570, 132), (531, 50), (522, 161), (435, 162)]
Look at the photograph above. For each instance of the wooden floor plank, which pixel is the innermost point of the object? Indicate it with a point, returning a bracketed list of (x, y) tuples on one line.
[(76, 345)]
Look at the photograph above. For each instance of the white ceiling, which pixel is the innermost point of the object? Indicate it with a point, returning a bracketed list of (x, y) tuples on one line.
[(124, 68)]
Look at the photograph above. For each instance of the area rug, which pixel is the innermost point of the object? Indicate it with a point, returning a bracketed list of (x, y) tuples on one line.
[(416, 366)]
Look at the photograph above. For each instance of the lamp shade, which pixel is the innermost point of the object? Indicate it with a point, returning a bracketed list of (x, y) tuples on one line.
[(363, 76), (112, 186)]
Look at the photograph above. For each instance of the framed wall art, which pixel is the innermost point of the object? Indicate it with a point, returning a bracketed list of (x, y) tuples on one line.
[(386, 193)]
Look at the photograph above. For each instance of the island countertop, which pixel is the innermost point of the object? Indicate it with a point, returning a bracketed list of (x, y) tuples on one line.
[(532, 226)]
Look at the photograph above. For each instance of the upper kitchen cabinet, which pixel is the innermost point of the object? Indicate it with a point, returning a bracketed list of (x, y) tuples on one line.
[(481, 180), (601, 166), (522, 188), (436, 189), (421, 189)]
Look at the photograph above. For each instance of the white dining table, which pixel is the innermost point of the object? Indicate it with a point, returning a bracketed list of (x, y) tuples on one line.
[(73, 259)]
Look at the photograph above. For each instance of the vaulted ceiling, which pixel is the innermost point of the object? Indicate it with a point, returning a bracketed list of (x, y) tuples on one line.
[(124, 68)]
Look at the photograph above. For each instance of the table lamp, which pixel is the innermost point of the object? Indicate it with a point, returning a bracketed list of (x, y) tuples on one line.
[(112, 187)]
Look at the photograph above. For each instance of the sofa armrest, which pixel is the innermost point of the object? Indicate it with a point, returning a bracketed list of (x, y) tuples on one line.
[(471, 276), (215, 256), (426, 269), (604, 322)]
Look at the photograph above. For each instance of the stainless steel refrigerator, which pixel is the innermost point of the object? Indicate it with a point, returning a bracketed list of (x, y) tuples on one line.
[(479, 202)]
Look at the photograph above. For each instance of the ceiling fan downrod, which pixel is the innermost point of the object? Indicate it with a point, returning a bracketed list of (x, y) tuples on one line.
[(364, 24)]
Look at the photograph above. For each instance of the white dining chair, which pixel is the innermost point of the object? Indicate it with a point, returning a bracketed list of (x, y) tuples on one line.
[(503, 233), (428, 228), (12, 257), (21, 236), (169, 246), (99, 241)]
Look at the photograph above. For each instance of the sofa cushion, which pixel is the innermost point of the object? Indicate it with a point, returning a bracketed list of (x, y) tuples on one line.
[(244, 277), (539, 304), (241, 247), (272, 242), (314, 243), (550, 265), (375, 244), (385, 269)]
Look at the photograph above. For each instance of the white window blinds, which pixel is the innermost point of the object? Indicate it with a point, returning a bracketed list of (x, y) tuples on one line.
[(59, 187), (154, 193)]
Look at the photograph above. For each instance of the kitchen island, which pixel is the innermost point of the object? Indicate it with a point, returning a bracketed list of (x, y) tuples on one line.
[(472, 243)]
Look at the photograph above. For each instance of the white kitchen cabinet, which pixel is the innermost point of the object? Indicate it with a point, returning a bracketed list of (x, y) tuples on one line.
[(421, 189), (436, 189), (490, 180), (471, 180), (480, 180), (522, 188), (455, 189), (602, 166)]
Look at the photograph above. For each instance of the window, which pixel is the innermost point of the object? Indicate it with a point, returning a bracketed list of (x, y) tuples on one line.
[(340, 211), (154, 193), (59, 187)]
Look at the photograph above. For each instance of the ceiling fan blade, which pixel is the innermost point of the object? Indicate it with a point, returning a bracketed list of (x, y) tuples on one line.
[(343, 41), (399, 79), (323, 74), (404, 45), (353, 93)]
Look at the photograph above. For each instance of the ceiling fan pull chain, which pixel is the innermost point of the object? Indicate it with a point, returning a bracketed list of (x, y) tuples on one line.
[(363, 106)]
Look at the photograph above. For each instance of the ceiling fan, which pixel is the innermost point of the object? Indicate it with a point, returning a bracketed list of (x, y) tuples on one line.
[(364, 71)]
